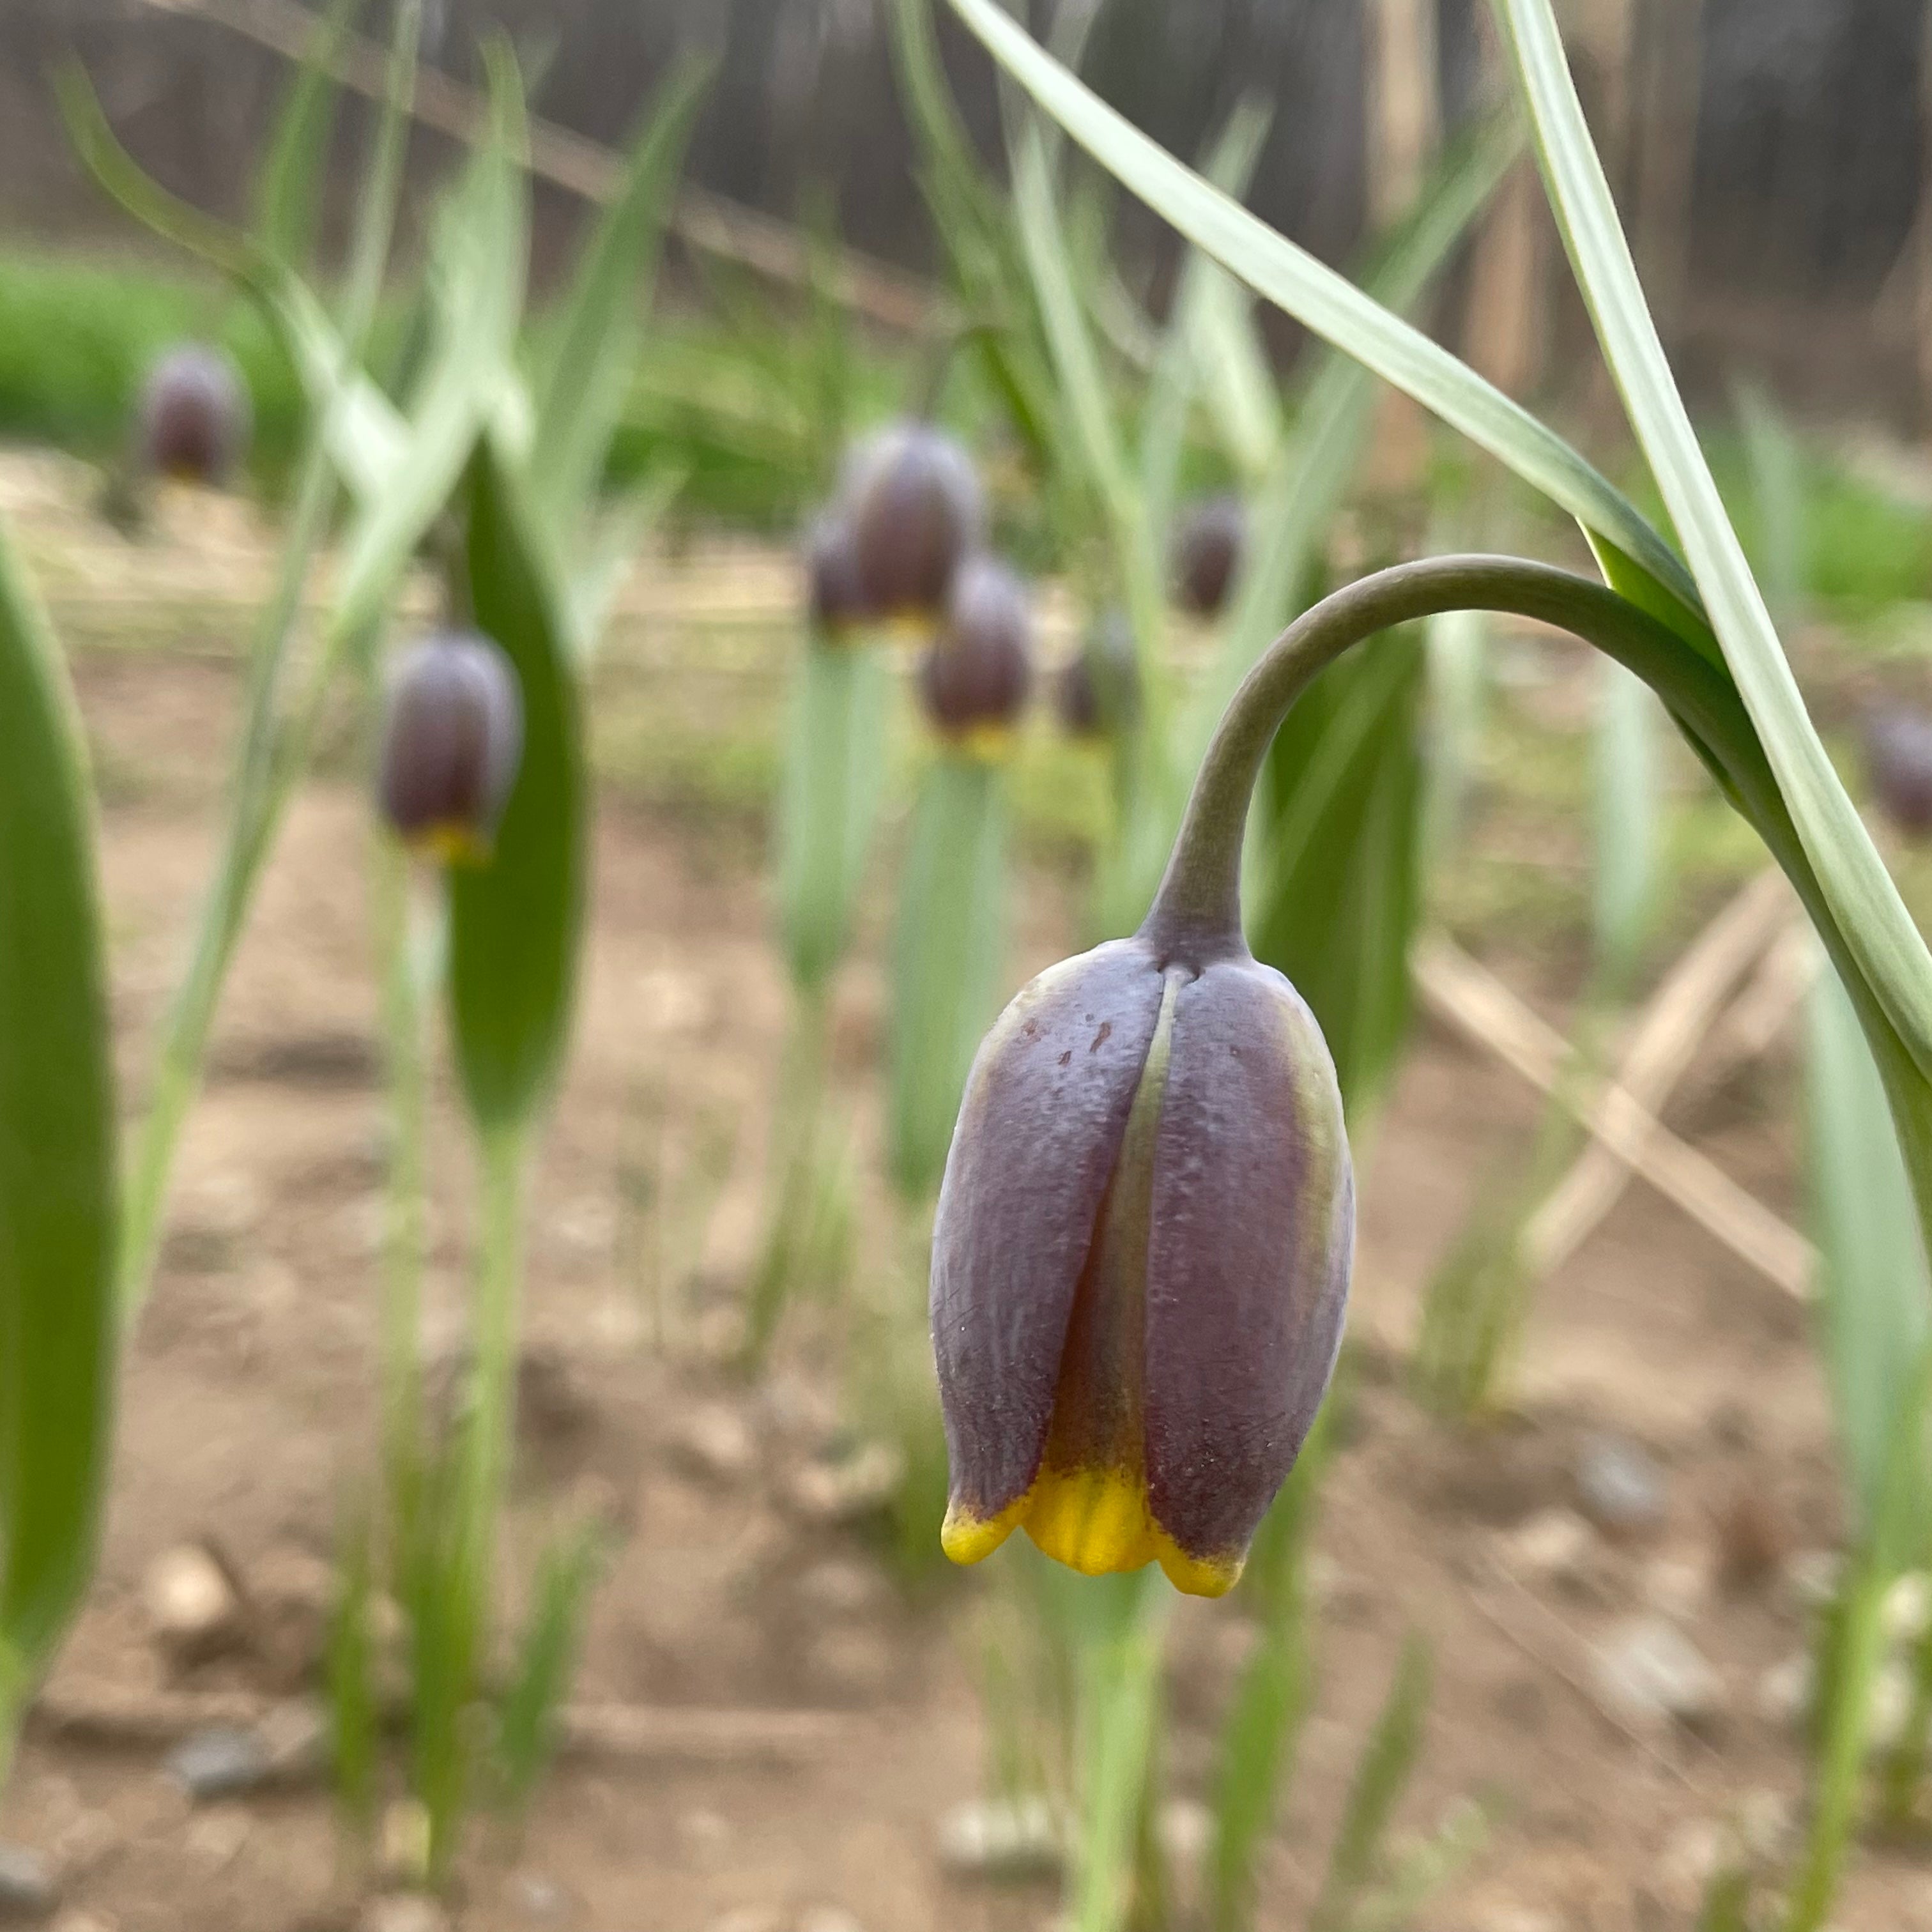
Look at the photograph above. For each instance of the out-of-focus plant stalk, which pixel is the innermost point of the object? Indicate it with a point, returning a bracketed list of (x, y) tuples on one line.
[(270, 756), (254, 814), (405, 1231), (493, 1371)]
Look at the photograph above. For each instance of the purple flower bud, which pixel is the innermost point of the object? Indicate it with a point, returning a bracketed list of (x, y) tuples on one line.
[(1898, 760), (452, 739), (1140, 1262), (975, 678), (1208, 552), (1098, 691), (836, 596), (195, 414), (917, 512)]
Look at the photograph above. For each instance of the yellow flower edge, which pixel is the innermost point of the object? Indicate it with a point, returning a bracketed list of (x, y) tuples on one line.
[(1095, 1521)]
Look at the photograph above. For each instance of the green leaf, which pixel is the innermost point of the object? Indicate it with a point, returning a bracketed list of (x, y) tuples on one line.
[(1297, 502), (1873, 1288), (1866, 904), (481, 263), (1186, 357), (583, 380), (516, 922), (946, 962), (59, 1318), (828, 808), (1387, 1763), (288, 192), (547, 1659), (1326, 302), (1334, 878)]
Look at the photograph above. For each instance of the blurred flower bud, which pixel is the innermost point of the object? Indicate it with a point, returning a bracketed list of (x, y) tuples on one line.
[(1208, 552), (1898, 761), (837, 599), (1099, 690), (452, 739), (196, 419), (976, 676), (917, 513), (1141, 1262)]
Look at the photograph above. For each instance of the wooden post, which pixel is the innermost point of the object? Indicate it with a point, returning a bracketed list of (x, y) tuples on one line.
[(1403, 130)]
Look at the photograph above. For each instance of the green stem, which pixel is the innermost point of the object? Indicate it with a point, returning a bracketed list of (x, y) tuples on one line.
[(405, 1233), (1196, 915), (493, 1372), (1860, 1650)]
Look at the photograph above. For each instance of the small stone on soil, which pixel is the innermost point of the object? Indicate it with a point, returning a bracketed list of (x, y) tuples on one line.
[(192, 1607), (749, 1919), (827, 1919), (219, 1761), (1812, 1577), (539, 1896), (216, 1836), (1784, 1691), (1619, 1486), (1001, 1839), (403, 1912), (715, 1442), (1650, 1671), (1554, 1546), (1675, 1588), (27, 1889)]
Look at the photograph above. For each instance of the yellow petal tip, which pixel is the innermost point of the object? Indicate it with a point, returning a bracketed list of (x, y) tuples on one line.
[(966, 1538)]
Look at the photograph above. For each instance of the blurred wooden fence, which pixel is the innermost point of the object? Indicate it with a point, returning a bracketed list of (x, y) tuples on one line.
[(1771, 154)]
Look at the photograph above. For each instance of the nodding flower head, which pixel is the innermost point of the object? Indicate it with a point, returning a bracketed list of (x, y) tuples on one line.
[(195, 414), (1208, 552), (1141, 1262), (1898, 761), (452, 740), (917, 512), (1098, 690), (835, 595), (976, 676)]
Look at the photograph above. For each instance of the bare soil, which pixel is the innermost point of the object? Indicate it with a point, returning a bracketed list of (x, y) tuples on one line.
[(248, 1411)]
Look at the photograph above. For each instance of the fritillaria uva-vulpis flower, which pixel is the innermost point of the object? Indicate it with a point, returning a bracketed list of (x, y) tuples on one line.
[(975, 677), (195, 416), (916, 512), (452, 740), (1141, 1256)]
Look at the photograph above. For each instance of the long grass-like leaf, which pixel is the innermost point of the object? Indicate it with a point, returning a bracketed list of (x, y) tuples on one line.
[(58, 1320), (288, 191), (1387, 1763), (516, 922), (1326, 302), (527, 1719), (1875, 1296), (1876, 925), (584, 377)]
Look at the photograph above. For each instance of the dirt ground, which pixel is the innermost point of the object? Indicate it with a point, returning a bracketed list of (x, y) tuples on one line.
[(248, 1410)]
